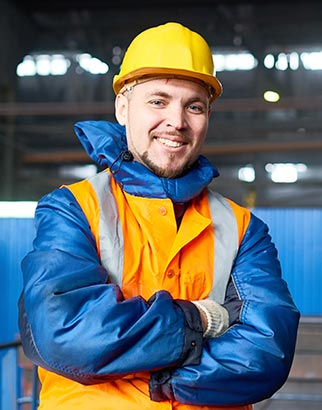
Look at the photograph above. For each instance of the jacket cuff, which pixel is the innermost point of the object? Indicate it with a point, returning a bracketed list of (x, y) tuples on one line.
[(160, 387), (192, 348), (160, 382)]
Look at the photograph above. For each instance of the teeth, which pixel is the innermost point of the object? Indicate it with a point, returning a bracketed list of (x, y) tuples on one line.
[(169, 143)]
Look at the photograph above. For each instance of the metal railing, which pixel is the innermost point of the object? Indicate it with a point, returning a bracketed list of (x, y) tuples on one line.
[(18, 378)]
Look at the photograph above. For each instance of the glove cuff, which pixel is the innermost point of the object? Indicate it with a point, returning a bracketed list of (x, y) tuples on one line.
[(217, 317)]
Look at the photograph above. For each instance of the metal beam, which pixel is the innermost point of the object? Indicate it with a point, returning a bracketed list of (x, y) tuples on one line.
[(99, 108), (63, 156)]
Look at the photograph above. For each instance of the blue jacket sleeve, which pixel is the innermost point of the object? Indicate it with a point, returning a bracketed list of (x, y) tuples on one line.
[(74, 322), (252, 359)]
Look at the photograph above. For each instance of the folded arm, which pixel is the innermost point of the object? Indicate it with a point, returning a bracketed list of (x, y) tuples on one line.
[(74, 322), (252, 359)]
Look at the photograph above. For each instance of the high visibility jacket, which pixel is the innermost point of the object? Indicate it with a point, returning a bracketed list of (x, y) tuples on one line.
[(105, 310)]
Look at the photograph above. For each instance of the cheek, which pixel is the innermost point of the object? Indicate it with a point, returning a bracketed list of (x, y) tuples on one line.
[(201, 134), (141, 123), (137, 134), (138, 118)]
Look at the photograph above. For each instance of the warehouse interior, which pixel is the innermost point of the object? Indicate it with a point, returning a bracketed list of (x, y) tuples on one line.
[(57, 64), (48, 82)]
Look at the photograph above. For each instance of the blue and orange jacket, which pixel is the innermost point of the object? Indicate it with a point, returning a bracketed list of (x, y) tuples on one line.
[(106, 308)]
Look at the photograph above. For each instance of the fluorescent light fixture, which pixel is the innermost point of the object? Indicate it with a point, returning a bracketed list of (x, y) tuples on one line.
[(78, 171), (294, 61), (282, 62), (246, 174), (27, 68), (312, 61), (285, 172), (92, 64), (17, 209), (269, 61), (58, 64), (234, 61), (43, 64)]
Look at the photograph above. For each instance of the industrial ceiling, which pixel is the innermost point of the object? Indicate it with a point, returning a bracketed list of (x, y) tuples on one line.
[(39, 151)]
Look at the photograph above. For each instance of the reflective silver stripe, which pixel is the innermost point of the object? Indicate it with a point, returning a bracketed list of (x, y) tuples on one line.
[(110, 229), (112, 241), (226, 243)]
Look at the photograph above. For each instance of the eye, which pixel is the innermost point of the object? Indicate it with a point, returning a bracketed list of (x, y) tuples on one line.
[(157, 103), (196, 108)]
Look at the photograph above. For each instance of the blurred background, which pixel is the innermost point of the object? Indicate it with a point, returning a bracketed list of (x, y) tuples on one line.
[(57, 62)]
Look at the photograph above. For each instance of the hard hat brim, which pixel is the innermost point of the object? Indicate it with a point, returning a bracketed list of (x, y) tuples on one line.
[(146, 72)]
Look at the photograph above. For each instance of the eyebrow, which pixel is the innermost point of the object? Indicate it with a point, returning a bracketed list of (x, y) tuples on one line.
[(167, 95), (158, 94)]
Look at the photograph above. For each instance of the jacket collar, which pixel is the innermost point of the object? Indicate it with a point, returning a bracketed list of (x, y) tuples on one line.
[(105, 143)]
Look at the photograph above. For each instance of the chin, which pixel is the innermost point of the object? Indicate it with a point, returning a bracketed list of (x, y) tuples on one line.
[(165, 170), (169, 173)]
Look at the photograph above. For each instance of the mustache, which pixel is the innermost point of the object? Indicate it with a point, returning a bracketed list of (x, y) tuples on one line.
[(177, 134)]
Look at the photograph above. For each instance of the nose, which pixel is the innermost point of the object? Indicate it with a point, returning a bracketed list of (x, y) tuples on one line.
[(176, 117)]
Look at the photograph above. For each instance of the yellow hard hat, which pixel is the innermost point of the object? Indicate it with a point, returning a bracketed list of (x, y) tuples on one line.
[(168, 50)]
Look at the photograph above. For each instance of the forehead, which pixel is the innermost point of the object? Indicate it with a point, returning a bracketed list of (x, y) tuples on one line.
[(173, 87)]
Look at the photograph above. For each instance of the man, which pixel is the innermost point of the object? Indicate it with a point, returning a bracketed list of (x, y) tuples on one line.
[(145, 288)]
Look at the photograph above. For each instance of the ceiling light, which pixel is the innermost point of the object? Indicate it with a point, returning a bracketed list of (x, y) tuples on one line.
[(92, 64), (234, 61), (246, 174), (27, 68), (271, 96), (285, 172), (312, 61), (77, 171), (281, 63), (269, 61)]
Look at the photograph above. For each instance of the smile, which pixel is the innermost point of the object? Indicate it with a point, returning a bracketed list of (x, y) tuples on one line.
[(169, 143)]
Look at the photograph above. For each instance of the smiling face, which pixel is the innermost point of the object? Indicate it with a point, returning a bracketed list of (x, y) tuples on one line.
[(166, 123)]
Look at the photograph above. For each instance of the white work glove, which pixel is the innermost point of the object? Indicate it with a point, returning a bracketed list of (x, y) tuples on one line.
[(217, 317)]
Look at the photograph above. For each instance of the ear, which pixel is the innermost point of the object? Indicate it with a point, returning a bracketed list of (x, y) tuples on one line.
[(121, 107)]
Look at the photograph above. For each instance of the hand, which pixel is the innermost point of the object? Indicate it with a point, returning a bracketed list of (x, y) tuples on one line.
[(214, 317)]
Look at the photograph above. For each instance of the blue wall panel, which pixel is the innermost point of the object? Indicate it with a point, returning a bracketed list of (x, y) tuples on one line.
[(16, 237), (297, 234)]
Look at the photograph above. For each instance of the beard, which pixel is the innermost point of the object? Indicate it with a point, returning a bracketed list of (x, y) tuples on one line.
[(167, 172)]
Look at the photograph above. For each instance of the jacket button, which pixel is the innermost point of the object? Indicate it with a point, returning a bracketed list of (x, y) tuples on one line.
[(163, 210), (171, 273)]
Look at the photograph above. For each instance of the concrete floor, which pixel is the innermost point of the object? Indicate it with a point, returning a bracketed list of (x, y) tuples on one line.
[(288, 405)]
